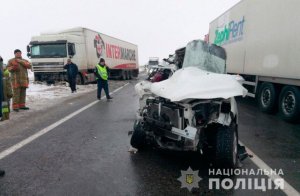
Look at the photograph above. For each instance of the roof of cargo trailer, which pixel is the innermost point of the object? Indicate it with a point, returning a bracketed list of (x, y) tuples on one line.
[(241, 1), (81, 29), (50, 37)]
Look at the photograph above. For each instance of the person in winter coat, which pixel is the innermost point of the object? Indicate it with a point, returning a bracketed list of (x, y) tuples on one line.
[(7, 94), (72, 71), (19, 78)]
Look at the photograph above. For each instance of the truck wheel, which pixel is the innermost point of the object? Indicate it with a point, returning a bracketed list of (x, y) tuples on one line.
[(127, 76), (138, 138), (123, 75), (226, 155), (289, 103), (267, 97)]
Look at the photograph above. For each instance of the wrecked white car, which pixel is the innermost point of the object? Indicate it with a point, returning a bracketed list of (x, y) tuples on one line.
[(194, 110)]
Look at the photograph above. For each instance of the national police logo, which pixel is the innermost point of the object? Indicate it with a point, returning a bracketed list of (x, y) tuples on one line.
[(189, 179)]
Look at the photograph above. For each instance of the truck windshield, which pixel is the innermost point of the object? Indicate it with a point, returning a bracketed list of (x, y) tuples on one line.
[(48, 50), (153, 63), (205, 56)]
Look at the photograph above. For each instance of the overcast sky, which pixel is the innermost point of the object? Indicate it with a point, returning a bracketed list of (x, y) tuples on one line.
[(158, 27)]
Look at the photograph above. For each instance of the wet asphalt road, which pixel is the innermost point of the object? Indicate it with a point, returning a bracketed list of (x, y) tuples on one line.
[(88, 154)]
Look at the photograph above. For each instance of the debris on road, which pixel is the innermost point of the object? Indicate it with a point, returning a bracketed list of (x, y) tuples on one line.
[(132, 150)]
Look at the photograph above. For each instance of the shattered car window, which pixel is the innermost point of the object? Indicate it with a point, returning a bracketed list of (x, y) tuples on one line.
[(205, 56)]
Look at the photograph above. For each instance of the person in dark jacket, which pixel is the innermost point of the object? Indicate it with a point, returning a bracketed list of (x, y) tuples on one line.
[(72, 71), (101, 73), (2, 172)]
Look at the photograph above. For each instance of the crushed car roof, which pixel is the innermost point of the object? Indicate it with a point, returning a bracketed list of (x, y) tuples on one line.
[(194, 83)]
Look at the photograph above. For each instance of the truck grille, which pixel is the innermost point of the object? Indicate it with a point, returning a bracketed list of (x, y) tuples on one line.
[(48, 67)]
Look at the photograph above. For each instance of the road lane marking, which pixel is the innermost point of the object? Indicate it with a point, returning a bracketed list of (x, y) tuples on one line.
[(26, 141), (288, 189)]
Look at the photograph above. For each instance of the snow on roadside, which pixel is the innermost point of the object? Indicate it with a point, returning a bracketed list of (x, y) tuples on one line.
[(41, 95), (142, 69)]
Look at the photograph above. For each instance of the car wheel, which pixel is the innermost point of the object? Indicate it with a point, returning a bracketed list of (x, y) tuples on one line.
[(289, 103), (226, 151), (129, 75), (267, 97), (138, 138)]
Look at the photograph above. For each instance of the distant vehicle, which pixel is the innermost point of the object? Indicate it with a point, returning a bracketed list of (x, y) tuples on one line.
[(49, 52), (162, 72), (153, 61), (262, 42)]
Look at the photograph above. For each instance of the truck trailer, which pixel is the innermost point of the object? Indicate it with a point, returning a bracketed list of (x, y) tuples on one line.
[(50, 51), (262, 42)]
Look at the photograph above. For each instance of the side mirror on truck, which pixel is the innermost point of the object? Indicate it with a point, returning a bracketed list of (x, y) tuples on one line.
[(71, 49), (28, 51)]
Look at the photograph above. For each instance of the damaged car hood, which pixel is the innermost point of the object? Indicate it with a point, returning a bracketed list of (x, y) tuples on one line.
[(194, 83)]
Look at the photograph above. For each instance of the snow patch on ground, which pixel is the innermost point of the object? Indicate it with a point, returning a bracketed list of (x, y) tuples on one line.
[(41, 95), (142, 69)]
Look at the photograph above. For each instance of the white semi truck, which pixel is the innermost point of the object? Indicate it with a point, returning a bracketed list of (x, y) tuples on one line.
[(153, 61), (49, 52), (262, 42)]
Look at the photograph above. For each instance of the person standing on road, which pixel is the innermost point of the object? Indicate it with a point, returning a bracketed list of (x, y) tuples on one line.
[(18, 69), (72, 71), (7, 94), (2, 172), (101, 72)]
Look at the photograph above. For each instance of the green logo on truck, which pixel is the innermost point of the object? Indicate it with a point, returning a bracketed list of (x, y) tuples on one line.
[(231, 32)]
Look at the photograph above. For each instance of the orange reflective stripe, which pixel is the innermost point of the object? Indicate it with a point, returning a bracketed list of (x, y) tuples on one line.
[(22, 85), (15, 84), (25, 85)]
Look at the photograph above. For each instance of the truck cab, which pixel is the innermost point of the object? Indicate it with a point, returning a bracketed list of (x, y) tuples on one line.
[(153, 61), (49, 53)]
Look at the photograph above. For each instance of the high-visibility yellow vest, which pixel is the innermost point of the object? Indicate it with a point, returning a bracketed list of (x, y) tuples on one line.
[(6, 73), (102, 71), (5, 107)]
